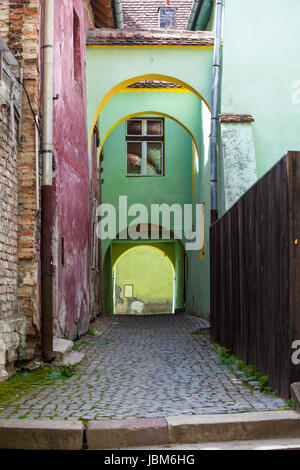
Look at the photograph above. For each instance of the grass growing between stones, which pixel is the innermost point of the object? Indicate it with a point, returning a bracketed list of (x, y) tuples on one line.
[(290, 404), (248, 374), (77, 345), (91, 332), (201, 331)]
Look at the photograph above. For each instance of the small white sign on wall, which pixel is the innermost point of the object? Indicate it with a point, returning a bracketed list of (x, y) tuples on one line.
[(128, 291)]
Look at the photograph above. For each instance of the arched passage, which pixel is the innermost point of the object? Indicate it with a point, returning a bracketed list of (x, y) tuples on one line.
[(104, 99), (179, 105), (176, 185), (172, 251), (143, 281), (136, 64)]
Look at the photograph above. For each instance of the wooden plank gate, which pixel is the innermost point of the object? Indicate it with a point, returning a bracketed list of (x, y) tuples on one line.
[(255, 275)]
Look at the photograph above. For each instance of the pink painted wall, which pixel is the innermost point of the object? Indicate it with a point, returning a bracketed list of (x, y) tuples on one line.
[(72, 200)]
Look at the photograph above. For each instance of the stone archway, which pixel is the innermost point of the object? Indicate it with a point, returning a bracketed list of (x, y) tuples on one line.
[(172, 250)]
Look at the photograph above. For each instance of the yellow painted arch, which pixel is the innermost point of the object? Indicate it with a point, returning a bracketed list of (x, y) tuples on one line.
[(157, 113), (174, 239), (145, 113), (145, 246), (150, 76)]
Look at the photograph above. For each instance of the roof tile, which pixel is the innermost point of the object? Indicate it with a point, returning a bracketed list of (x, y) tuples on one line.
[(144, 13), (155, 37), (228, 118)]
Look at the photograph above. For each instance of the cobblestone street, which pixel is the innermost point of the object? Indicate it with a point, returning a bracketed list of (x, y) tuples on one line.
[(142, 366)]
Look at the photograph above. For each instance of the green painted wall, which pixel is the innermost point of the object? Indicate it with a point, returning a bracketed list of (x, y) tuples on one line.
[(260, 76), (185, 107), (205, 20), (171, 248), (198, 280), (176, 186), (151, 275), (261, 73), (108, 66), (180, 263), (108, 306), (212, 20), (194, 67)]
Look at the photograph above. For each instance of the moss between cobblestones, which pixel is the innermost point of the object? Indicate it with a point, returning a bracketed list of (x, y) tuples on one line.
[(159, 368), (26, 379), (77, 345), (248, 374)]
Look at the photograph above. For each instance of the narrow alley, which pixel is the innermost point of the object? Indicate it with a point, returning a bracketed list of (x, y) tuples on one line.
[(149, 222)]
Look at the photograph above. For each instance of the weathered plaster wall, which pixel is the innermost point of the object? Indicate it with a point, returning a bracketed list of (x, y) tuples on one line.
[(238, 157), (151, 275), (73, 202), (198, 277), (96, 250), (20, 28), (12, 324), (261, 73)]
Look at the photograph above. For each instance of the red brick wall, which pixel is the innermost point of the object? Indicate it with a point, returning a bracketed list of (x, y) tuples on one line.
[(20, 25), (12, 325), (20, 28), (8, 217)]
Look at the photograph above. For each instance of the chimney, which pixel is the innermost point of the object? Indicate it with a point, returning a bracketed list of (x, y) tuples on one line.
[(167, 16)]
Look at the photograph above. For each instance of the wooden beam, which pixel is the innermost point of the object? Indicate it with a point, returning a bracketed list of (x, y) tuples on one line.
[(103, 24), (100, 8), (105, 17)]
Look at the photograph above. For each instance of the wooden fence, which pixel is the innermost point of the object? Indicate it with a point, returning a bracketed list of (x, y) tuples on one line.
[(255, 275)]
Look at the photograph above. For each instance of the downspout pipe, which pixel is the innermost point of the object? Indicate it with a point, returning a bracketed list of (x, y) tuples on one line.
[(118, 13), (46, 187), (214, 112)]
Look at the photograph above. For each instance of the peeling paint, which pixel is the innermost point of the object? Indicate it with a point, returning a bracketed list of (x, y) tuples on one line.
[(71, 183), (239, 163)]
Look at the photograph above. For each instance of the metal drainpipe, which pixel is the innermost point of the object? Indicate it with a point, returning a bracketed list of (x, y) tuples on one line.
[(46, 188), (117, 5), (37, 166), (214, 113)]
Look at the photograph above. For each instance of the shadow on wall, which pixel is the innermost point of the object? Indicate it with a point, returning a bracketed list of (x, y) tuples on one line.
[(143, 282)]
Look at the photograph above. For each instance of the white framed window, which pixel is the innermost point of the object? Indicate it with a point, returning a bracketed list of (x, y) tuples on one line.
[(145, 147)]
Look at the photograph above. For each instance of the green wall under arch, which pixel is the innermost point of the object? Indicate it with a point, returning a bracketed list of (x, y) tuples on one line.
[(150, 274), (173, 250)]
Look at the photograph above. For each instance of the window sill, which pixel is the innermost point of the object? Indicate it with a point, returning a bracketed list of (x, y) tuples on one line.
[(144, 176)]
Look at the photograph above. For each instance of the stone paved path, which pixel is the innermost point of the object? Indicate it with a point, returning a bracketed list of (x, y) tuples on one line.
[(151, 366)]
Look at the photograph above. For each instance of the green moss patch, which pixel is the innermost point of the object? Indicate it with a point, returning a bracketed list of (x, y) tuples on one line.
[(26, 380), (247, 373)]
